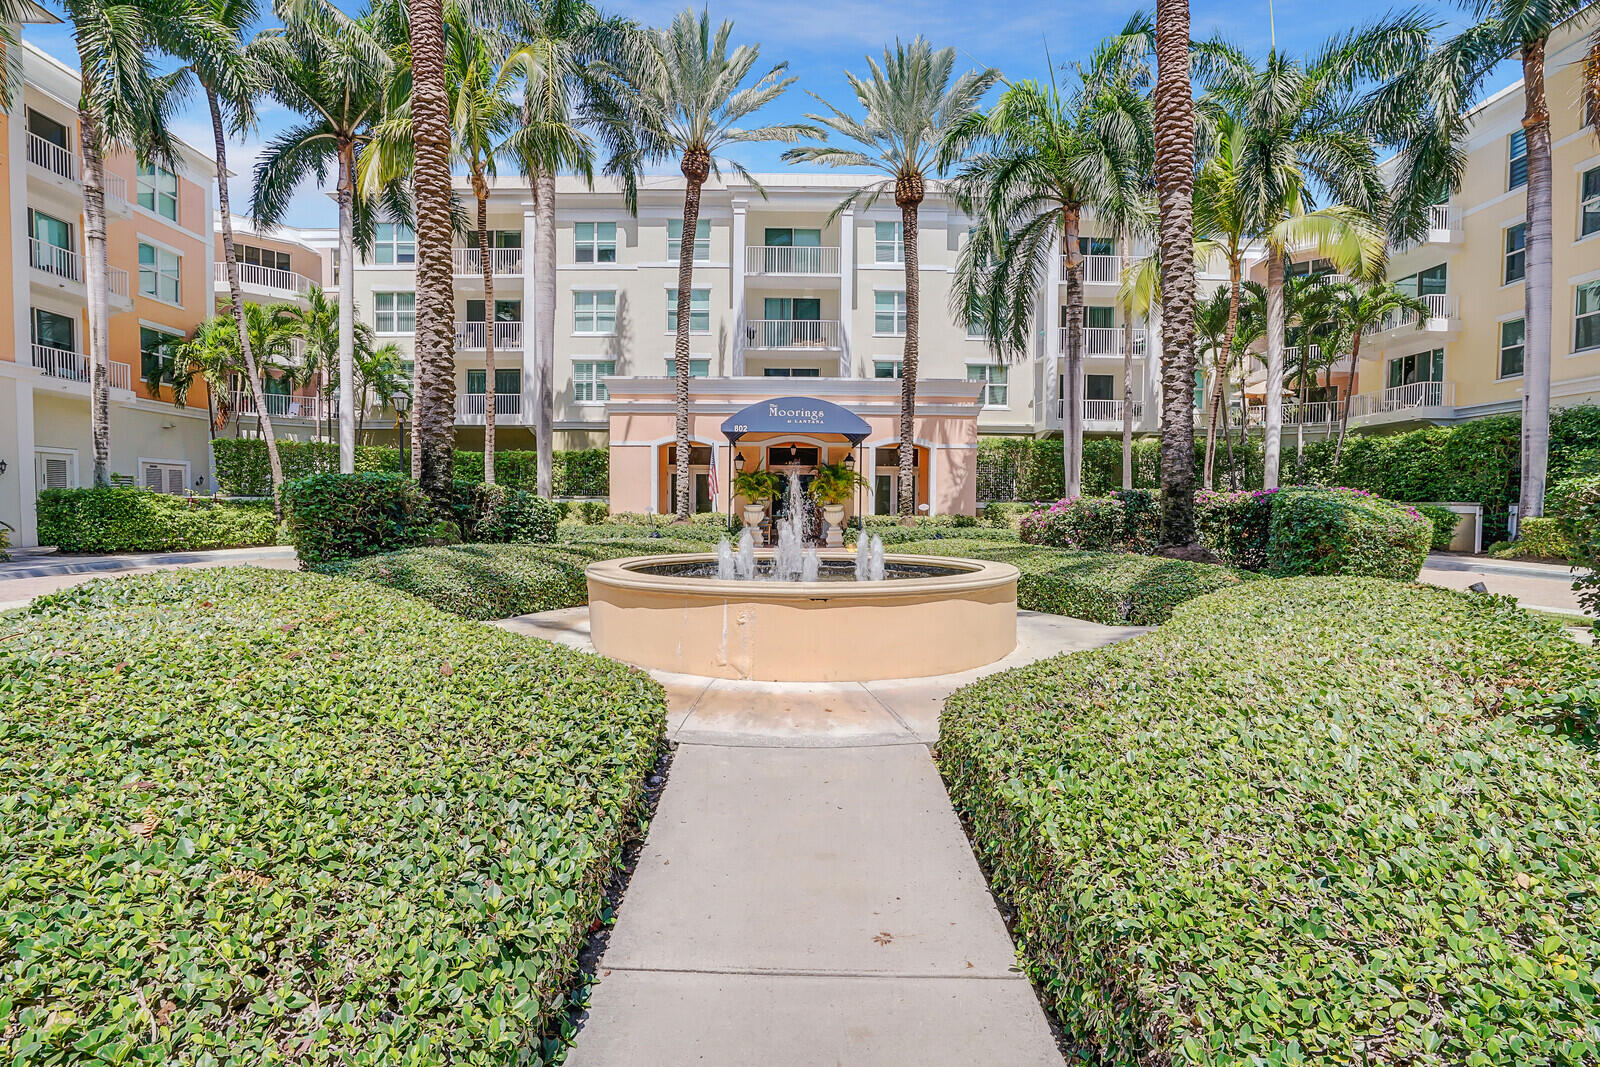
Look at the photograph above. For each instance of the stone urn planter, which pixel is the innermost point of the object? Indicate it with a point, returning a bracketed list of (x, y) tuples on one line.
[(753, 514), (833, 515)]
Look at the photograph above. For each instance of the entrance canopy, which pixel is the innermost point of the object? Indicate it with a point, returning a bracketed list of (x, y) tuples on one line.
[(796, 415)]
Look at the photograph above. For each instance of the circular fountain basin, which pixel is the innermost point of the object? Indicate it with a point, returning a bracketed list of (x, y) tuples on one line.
[(930, 615)]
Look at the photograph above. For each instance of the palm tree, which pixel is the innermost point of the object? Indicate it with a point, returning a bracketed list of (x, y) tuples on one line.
[(1358, 308), (380, 377), (328, 69), (574, 63), (316, 327), (690, 87), (208, 358), (910, 109), (1043, 158)]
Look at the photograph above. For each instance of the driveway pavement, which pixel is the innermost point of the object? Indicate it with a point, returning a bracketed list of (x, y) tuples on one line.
[(1546, 586)]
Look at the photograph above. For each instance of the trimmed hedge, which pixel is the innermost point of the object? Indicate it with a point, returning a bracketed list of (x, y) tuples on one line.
[(242, 468), (117, 519), (1290, 827), (501, 514), (1539, 539), (261, 817), (344, 516), (1305, 530)]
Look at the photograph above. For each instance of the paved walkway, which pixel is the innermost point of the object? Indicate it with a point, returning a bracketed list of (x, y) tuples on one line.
[(32, 572), (806, 894), (1545, 586)]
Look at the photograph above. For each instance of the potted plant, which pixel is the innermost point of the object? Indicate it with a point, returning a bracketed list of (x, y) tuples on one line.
[(757, 487), (832, 488)]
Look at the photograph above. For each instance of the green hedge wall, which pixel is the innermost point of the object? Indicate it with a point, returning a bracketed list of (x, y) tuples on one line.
[(243, 470), (345, 516), (266, 817), (1297, 824), (116, 519)]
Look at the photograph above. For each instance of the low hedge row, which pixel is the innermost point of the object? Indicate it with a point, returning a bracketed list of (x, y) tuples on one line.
[(1302, 822), (117, 519), (261, 817), (1300, 530), (345, 516), (243, 470), (1545, 539)]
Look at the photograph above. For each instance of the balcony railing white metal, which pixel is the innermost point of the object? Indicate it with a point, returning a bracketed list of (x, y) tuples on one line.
[(1105, 341), (281, 406), (49, 156), (117, 281), (1311, 413), (253, 274), (791, 259), (1444, 217), (470, 336), (74, 366), (792, 333), (505, 261), (53, 259), (1102, 410), (1404, 398), (474, 405), (1098, 269), (1441, 307)]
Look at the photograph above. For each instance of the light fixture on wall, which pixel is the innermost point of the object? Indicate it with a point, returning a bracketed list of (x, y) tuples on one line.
[(738, 463)]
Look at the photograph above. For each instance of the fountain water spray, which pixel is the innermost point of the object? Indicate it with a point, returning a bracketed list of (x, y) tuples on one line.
[(744, 561), (875, 562), (725, 570)]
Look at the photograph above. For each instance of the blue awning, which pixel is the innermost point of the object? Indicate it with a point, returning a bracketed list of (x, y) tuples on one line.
[(796, 414)]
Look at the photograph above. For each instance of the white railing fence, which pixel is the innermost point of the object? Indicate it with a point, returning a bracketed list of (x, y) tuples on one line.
[(117, 281), (266, 278), (74, 366), (281, 406), (474, 405), (1403, 398), (50, 156), (505, 261), (1443, 217), (53, 259), (470, 336), (786, 259), (1105, 341), (1097, 269), (792, 333)]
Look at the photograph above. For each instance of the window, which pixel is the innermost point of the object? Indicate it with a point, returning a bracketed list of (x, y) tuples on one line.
[(504, 310), (505, 239), (158, 190), (158, 273), (886, 368), (395, 312), (172, 478), (889, 313), (507, 380), (1587, 307), (262, 257), (1589, 202), (1098, 317), (995, 395), (790, 237), (698, 368), (1516, 252), (595, 242), (702, 239), (1512, 335), (395, 243), (1099, 387), (792, 308), (1430, 282), (890, 241), (56, 468), (587, 384), (1417, 367), (791, 372), (54, 331), (1517, 169), (153, 354), (48, 129), (1097, 246), (594, 311), (699, 311)]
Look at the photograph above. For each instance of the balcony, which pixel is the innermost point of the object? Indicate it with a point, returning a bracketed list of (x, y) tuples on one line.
[(792, 333), (1419, 400), (787, 260), (254, 276), (59, 262), (1312, 413), (470, 407), (282, 406), (1442, 316), (1103, 411), (1099, 341), (74, 366), (506, 262), (52, 158), (470, 336), (1098, 269)]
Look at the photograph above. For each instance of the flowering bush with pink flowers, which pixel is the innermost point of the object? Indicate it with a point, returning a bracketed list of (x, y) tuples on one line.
[(1127, 520)]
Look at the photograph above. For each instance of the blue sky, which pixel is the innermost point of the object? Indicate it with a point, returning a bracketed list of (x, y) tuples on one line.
[(821, 38)]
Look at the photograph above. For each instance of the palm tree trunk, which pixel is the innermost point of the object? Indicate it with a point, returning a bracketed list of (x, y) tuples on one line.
[(231, 258), (344, 194), (696, 166), (1349, 391), (1538, 287), (1072, 359), (96, 271), (481, 188), (1127, 398), (544, 345), (1174, 137), (908, 195), (430, 177), (1273, 439), (1221, 371)]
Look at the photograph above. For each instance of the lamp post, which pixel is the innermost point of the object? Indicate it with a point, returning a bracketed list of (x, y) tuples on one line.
[(401, 403), (855, 490)]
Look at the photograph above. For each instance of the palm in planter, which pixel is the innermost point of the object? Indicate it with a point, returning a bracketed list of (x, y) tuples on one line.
[(757, 487), (832, 488)]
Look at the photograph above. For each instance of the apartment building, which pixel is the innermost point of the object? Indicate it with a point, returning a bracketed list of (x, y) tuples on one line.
[(160, 256)]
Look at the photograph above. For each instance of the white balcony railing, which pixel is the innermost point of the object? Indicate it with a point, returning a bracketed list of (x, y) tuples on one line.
[(49, 156), (1441, 309), (1404, 398), (1444, 217), (257, 276), (474, 405), (1102, 410), (505, 261), (792, 333), (117, 281), (121, 375), (53, 259), (1097, 269), (74, 366), (1105, 341), (281, 406), (786, 259), (1330, 279), (470, 336), (116, 186), (1312, 413)]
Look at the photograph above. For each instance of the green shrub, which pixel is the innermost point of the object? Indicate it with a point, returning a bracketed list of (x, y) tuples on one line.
[(1577, 502), (1444, 522), (502, 514), (344, 516), (591, 512), (1539, 539), (1345, 531), (896, 535), (265, 817), (1092, 523), (242, 467), (1236, 526), (1289, 826), (116, 519)]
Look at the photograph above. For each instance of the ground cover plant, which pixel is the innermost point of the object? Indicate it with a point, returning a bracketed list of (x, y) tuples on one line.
[(119, 519), (1308, 821), (264, 817)]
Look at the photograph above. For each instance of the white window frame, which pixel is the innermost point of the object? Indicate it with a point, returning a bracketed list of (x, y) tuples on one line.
[(990, 385), (69, 454), (159, 272), (896, 243), (1507, 252), (594, 312), (702, 239), (897, 311), (591, 381), (1577, 317), (1512, 157), (149, 182), (1587, 204), (699, 366), (395, 329), (695, 295), (896, 363), (166, 466), (1501, 347), (401, 243), (595, 243)]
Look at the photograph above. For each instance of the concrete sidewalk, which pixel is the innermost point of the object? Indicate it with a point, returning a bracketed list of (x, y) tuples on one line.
[(1545, 586), (32, 572), (806, 894)]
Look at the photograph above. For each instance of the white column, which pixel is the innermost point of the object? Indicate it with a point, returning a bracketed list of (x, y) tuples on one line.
[(847, 290), (738, 258), (530, 325), (1052, 342), (19, 485)]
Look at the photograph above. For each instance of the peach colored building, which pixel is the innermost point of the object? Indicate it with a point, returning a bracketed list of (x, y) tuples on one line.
[(641, 424)]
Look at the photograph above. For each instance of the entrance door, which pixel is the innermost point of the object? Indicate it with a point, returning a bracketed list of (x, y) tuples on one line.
[(800, 460)]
